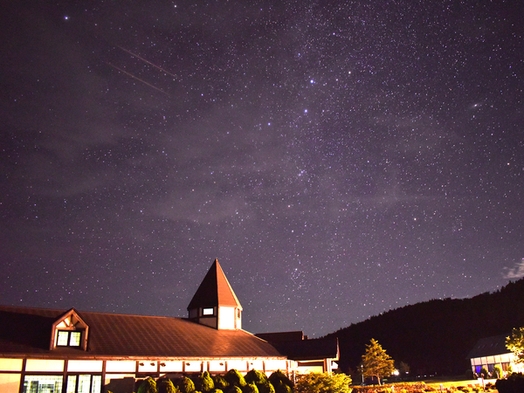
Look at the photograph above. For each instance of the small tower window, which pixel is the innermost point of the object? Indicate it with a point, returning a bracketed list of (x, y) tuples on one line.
[(208, 311)]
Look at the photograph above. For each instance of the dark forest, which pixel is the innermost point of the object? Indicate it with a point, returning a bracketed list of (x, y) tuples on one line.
[(435, 337)]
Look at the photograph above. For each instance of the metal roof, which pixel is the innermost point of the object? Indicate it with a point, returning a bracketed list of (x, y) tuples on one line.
[(28, 331), (489, 346)]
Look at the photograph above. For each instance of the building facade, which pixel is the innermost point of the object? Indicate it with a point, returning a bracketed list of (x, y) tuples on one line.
[(57, 351), (490, 351)]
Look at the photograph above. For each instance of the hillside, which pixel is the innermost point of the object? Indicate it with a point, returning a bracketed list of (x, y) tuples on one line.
[(435, 337)]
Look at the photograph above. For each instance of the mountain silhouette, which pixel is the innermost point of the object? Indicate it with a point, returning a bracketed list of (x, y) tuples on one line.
[(435, 337)]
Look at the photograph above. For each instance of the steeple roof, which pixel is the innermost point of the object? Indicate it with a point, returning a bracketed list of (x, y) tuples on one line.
[(214, 290)]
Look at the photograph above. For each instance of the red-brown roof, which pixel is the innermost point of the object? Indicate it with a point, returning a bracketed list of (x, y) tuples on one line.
[(28, 331), (214, 290)]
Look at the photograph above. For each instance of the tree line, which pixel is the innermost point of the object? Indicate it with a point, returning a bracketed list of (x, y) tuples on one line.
[(435, 337)]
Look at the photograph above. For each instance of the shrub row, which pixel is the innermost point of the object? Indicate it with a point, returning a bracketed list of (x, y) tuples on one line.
[(231, 382)]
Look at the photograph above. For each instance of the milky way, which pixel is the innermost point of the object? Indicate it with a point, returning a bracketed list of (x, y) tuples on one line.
[(340, 159)]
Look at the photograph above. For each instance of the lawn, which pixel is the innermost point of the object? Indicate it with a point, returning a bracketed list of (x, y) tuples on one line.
[(436, 386)]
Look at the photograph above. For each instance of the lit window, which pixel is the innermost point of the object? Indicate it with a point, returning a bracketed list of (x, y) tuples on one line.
[(208, 311), (63, 339), (68, 338), (43, 383), (74, 339)]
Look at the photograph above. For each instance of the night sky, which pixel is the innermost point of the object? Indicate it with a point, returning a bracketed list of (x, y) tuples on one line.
[(339, 158)]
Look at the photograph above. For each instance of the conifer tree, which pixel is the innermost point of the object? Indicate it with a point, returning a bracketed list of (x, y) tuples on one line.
[(376, 362)]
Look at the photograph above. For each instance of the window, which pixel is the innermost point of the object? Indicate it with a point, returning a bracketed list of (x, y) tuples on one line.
[(208, 311), (68, 338), (83, 383), (42, 384)]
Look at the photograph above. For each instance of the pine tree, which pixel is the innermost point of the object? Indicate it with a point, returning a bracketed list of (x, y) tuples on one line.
[(376, 362)]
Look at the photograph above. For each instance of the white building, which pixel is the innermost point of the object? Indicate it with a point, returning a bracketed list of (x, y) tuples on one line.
[(490, 351), (70, 351)]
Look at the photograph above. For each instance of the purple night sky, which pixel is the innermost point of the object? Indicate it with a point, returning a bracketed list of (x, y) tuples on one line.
[(339, 158)]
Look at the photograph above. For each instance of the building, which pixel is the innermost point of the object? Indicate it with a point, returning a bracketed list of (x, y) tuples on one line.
[(490, 351), (70, 351), (310, 356)]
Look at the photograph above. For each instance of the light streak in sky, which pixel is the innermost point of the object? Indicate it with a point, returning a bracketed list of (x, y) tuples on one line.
[(137, 78), (147, 61)]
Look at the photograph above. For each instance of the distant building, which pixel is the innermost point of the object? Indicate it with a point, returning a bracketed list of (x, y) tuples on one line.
[(311, 356), (46, 350), (490, 351)]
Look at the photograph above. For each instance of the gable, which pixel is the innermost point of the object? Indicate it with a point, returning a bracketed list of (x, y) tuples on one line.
[(69, 330)]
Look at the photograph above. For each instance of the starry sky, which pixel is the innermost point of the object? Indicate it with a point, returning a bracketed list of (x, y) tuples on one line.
[(339, 158)]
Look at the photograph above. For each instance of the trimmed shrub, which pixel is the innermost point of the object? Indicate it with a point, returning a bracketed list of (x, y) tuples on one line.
[(148, 385), (165, 385), (266, 387), (220, 382), (205, 383), (185, 385), (497, 371), (279, 378), (250, 388), (322, 383), (281, 382), (260, 379), (255, 376), (233, 377), (234, 389)]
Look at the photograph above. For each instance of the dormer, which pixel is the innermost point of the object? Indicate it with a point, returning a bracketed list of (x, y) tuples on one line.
[(215, 303), (69, 330)]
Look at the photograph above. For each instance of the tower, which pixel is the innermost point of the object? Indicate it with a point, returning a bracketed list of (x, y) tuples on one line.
[(215, 303)]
